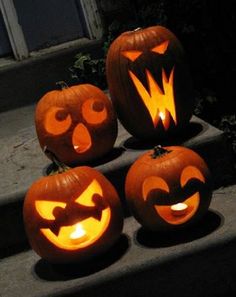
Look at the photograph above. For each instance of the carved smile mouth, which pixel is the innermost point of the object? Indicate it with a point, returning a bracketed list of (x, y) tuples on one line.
[(160, 105), (81, 139), (70, 238), (166, 212)]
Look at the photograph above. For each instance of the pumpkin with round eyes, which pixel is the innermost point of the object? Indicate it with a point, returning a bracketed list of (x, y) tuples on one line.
[(72, 216), (168, 188), (149, 82), (77, 123)]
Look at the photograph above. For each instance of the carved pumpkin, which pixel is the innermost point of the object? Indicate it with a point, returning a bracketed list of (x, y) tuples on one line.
[(149, 82), (77, 123), (168, 188), (72, 216)]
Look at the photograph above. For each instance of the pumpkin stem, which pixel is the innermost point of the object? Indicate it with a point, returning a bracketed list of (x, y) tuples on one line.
[(159, 151), (137, 29), (61, 167), (62, 84)]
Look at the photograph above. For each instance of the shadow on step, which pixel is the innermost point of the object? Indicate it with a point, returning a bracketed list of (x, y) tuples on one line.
[(208, 224), (62, 272)]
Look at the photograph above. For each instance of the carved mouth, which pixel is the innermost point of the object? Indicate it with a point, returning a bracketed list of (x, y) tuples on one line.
[(81, 234), (81, 139), (167, 214), (160, 104)]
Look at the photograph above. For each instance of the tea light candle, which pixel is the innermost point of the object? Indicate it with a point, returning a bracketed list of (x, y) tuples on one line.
[(79, 235), (179, 209)]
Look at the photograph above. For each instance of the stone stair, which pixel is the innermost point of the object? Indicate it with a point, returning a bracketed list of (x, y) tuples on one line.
[(199, 261)]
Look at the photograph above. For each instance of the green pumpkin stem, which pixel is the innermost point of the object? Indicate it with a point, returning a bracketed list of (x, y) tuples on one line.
[(159, 151), (61, 167), (63, 85)]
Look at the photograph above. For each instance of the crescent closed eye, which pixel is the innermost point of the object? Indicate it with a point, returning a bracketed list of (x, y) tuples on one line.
[(189, 173), (57, 121), (161, 48), (153, 183), (132, 55)]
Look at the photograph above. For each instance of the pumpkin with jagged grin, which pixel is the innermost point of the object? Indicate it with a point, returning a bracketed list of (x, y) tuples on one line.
[(149, 82), (72, 216)]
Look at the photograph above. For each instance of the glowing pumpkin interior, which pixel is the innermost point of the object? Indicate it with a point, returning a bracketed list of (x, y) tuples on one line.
[(176, 213), (159, 103), (81, 233)]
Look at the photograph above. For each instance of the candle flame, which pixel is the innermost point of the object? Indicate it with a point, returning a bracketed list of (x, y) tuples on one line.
[(162, 115), (179, 206), (78, 233)]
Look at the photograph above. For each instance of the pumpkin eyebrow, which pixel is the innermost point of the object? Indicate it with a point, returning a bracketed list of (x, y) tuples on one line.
[(161, 48), (131, 55)]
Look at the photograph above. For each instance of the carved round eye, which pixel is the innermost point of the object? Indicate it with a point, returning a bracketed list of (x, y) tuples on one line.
[(154, 183), (161, 48), (46, 208), (132, 55), (57, 121), (94, 111)]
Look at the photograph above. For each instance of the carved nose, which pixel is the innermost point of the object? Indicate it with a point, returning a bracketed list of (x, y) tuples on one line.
[(81, 139)]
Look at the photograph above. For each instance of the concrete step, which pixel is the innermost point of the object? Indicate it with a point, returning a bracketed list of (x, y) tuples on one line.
[(23, 162), (197, 262)]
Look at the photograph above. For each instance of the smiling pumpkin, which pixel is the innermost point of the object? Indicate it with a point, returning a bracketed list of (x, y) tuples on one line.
[(169, 188)]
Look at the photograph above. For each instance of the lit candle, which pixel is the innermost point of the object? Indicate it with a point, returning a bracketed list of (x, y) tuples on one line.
[(79, 235), (179, 209), (162, 115)]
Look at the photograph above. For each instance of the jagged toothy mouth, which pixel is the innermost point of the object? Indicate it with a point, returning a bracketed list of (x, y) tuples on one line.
[(160, 104)]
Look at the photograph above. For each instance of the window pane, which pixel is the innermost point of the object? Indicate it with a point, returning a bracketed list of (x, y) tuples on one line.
[(5, 47), (48, 22)]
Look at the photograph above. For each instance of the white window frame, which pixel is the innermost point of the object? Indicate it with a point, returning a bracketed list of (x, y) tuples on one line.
[(16, 36)]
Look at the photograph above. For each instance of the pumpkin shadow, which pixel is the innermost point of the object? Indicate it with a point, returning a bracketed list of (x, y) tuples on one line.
[(208, 224), (112, 155), (177, 138), (62, 272)]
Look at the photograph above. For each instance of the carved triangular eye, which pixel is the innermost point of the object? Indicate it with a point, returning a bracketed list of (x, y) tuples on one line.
[(161, 48), (131, 55)]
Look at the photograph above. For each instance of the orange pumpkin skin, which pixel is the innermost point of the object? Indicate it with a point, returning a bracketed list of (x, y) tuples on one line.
[(154, 185), (55, 204), (151, 61), (78, 124)]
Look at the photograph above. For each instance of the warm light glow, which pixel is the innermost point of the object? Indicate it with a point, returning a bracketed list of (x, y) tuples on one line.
[(54, 124), (79, 232), (45, 208), (190, 172), (81, 139), (92, 227), (179, 209), (162, 115), (153, 183), (161, 48), (85, 197), (82, 233), (132, 55), (94, 112), (158, 104)]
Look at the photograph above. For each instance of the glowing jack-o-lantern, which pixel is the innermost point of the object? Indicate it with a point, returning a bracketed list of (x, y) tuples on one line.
[(168, 188), (149, 82), (72, 216), (77, 123)]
